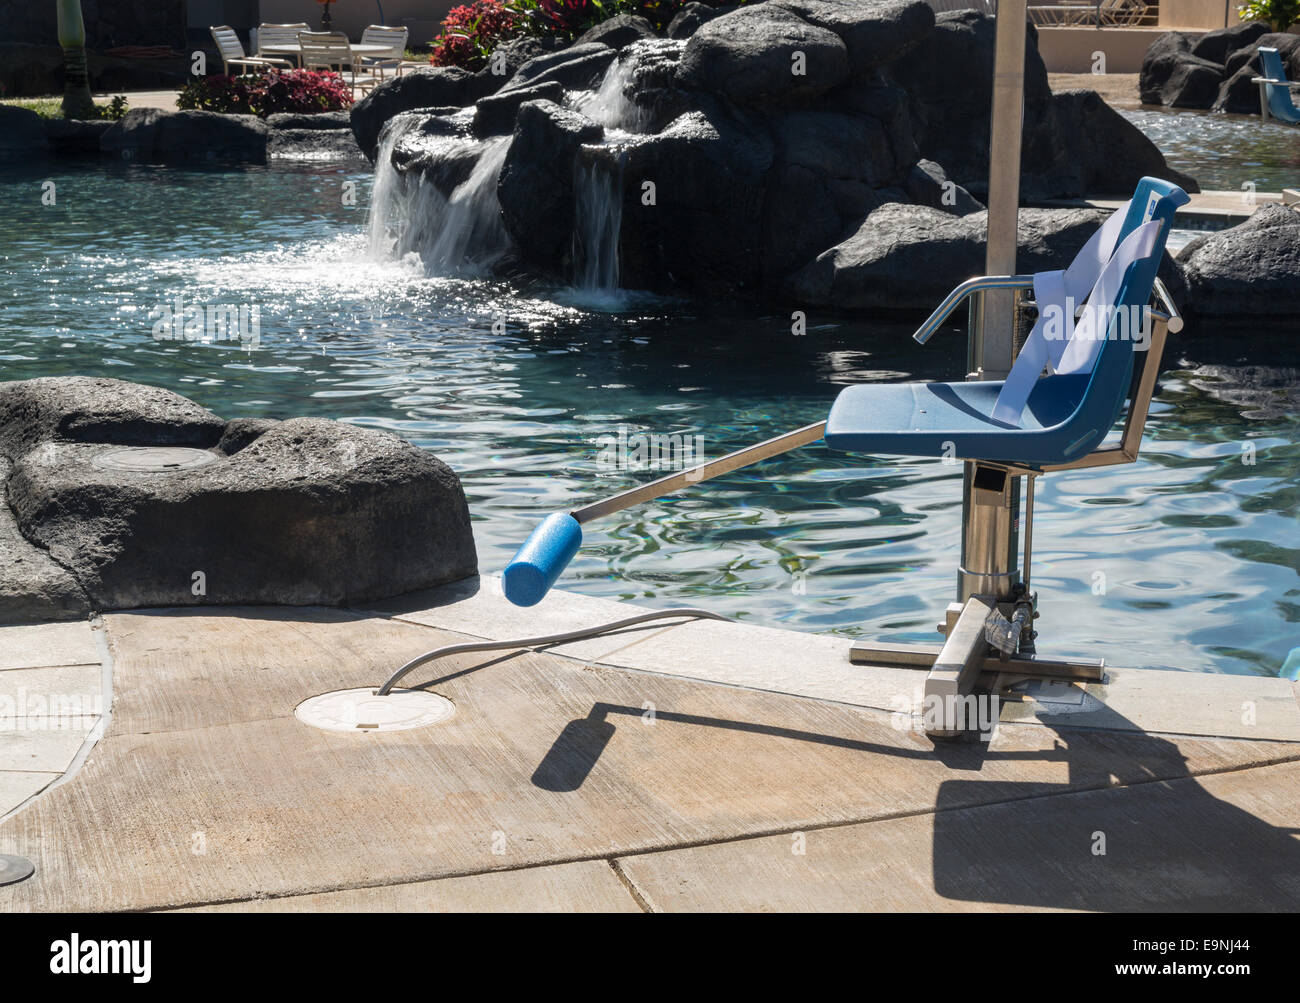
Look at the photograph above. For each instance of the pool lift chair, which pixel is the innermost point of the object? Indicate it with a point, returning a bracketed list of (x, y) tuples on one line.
[(1053, 411), (1275, 89)]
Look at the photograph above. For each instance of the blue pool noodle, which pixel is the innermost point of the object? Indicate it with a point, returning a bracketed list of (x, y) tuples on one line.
[(543, 557)]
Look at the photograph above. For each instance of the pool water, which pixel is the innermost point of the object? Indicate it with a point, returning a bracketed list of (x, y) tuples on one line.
[(1224, 152), (1186, 560)]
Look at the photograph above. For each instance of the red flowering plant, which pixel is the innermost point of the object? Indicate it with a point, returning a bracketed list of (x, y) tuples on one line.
[(301, 91), (571, 17), (471, 32), (304, 92)]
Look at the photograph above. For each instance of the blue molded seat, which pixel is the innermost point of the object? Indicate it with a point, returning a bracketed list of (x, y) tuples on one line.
[(1280, 105), (1066, 416)]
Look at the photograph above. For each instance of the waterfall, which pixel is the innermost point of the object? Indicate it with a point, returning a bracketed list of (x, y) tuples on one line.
[(608, 104), (598, 186), (464, 234), (598, 218), (386, 195), (458, 235)]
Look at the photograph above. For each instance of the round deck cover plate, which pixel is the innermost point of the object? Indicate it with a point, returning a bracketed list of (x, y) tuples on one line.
[(153, 459), (14, 869), (361, 710)]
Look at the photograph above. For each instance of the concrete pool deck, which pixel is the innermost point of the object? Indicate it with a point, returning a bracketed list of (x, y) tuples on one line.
[(674, 766)]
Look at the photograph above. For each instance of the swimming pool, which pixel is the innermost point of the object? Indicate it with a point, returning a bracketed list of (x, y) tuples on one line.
[(1186, 560)]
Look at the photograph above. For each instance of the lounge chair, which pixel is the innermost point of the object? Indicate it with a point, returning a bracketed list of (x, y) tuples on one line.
[(395, 38), (331, 50), (232, 52), (272, 35), (1274, 88), (1125, 13)]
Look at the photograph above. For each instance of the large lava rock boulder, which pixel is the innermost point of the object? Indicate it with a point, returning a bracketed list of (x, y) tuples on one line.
[(303, 511), (1095, 150), (763, 54), (875, 32), (618, 31), (686, 22), (907, 258), (435, 87), (951, 123), (928, 184), (1251, 271), (86, 409), (1173, 74), (22, 134), (149, 135), (535, 186), (575, 68), (826, 169), (693, 202), (33, 586), (1218, 45), (75, 137), (495, 114), (1193, 83), (315, 120), (1069, 141)]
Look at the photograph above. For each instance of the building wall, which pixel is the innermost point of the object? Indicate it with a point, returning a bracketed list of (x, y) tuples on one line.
[(109, 23), (1073, 50), (1198, 15)]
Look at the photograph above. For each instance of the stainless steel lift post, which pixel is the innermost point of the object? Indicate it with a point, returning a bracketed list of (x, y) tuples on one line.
[(990, 626)]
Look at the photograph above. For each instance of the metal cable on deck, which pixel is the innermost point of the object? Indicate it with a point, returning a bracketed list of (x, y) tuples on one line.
[(529, 642)]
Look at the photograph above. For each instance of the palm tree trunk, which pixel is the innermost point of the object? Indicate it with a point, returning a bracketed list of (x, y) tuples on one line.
[(77, 102)]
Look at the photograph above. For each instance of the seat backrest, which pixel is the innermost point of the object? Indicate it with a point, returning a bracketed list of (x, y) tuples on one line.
[(279, 34), (1060, 295), (1270, 61), (1110, 329), (394, 38), (324, 48), (228, 43), (1280, 105)]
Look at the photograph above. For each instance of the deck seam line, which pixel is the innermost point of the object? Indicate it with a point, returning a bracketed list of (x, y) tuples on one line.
[(699, 843), (98, 731), (57, 665), (626, 880)]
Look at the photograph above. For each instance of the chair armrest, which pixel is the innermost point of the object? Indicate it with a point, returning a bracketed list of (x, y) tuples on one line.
[(954, 299), (1175, 319)]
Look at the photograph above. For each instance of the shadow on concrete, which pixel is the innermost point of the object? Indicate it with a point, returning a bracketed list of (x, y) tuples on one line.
[(1161, 842)]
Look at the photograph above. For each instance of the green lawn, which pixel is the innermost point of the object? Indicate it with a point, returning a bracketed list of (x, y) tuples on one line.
[(52, 107), (45, 107)]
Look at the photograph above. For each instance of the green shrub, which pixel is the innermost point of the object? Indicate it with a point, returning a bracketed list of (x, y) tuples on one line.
[(301, 91), (1281, 14)]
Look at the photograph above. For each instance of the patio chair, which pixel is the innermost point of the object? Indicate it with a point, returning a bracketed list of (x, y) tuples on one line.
[(1274, 88), (331, 50), (232, 52), (272, 35), (1124, 13), (395, 39)]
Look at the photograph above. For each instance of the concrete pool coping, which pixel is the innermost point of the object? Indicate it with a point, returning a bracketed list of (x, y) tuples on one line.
[(779, 776), (1227, 208), (817, 666)]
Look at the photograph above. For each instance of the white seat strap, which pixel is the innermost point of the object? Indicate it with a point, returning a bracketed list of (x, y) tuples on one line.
[(1057, 293), (1100, 313)]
